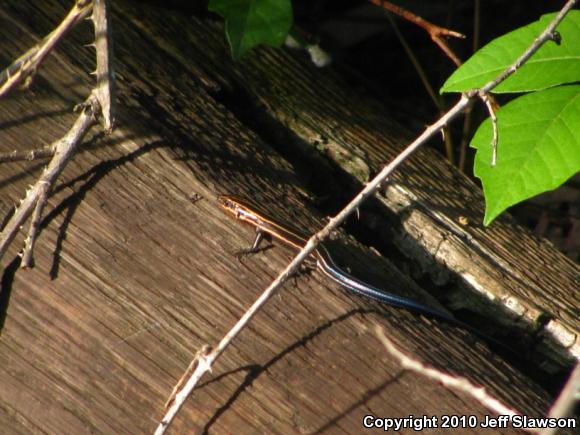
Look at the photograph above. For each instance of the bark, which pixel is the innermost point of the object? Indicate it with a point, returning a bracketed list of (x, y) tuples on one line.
[(132, 277)]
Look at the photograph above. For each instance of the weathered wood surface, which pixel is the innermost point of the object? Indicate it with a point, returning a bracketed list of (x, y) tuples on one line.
[(503, 264), (435, 213), (131, 277)]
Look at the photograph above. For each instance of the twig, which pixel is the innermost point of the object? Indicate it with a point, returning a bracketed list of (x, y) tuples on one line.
[(199, 358), (291, 269), (64, 149), (487, 101), (546, 35), (452, 382), (100, 98), (14, 156), (24, 67), (468, 116), (436, 32), (104, 90), (566, 401), (205, 363), (43, 191)]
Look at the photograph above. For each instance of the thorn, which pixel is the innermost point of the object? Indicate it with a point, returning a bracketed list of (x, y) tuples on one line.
[(556, 37), (91, 45)]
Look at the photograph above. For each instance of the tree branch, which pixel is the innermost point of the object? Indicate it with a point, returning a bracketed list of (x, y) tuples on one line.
[(23, 69), (452, 382), (64, 149), (203, 363)]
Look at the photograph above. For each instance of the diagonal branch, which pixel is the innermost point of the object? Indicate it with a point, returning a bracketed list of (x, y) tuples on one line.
[(100, 100), (15, 156), (452, 382), (22, 70), (64, 149), (104, 91), (204, 360), (27, 260)]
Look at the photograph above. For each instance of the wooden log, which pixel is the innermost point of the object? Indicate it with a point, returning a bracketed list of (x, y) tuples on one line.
[(132, 277)]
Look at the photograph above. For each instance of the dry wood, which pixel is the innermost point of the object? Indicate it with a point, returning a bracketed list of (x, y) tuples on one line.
[(132, 278), (430, 201), (499, 266)]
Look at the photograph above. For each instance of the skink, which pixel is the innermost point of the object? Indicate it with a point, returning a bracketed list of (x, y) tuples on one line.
[(247, 211), (253, 214)]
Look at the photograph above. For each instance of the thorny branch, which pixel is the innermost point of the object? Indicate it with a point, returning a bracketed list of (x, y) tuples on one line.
[(490, 109), (23, 69), (15, 156), (99, 102), (64, 149), (27, 260), (203, 362), (452, 382), (104, 91)]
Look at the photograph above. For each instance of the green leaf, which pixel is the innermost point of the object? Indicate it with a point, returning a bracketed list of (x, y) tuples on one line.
[(253, 22), (539, 147), (551, 65)]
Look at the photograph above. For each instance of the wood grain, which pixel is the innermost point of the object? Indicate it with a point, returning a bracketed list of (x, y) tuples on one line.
[(132, 277)]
